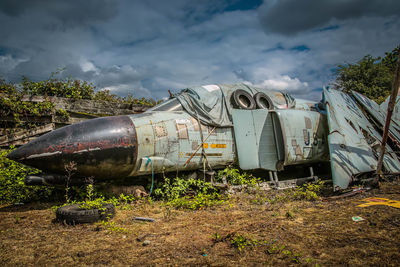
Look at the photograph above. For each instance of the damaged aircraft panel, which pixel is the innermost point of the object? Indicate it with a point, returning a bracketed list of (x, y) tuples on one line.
[(378, 114), (353, 141)]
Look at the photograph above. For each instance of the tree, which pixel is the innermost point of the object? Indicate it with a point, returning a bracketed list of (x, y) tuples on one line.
[(371, 76)]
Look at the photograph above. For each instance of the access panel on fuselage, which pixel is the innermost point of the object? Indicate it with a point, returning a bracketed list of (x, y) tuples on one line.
[(256, 139)]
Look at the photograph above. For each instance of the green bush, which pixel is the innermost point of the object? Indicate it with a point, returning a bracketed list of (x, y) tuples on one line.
[(12, 186), (190, 194), (68, 88), (233, 176), (308, 191), (11, 103)]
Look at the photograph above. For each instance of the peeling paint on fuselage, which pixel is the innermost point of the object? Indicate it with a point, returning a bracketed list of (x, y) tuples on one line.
[(176, 150)]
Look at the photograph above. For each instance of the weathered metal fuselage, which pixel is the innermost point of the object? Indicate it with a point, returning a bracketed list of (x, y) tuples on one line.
[(127, 146), (257, 128), (272, 132)]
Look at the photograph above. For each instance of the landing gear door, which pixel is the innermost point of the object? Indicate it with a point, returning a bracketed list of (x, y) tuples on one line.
[(255, 140)]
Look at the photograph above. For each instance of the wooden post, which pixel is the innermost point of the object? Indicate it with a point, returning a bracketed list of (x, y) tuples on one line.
[(391, 104)]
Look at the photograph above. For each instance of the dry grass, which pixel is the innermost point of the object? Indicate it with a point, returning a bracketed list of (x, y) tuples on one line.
[(312, 232)]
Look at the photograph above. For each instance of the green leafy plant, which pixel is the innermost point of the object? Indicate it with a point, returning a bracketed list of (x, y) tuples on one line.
[(308, 191), (370, 76), (12, 186), (216, 237), (290, 214), (97, 203), (285, 252), (13, 103), (68, 87), (112, 227), (240, 242), (191, 194), (233, 176), (63, 114), (124, 202)]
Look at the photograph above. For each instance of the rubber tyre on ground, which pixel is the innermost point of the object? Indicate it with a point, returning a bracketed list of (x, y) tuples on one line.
[(263, 101), (73, 214), (243, 100)]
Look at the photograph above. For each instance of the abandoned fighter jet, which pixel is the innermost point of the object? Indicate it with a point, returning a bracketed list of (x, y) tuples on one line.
[(213, 126)]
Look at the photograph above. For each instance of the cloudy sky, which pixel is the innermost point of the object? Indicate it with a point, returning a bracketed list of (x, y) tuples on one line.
[(147, 47)]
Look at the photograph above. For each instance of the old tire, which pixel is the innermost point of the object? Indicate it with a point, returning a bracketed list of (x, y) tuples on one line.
[(263, 101), (243, 100), (73, 214)]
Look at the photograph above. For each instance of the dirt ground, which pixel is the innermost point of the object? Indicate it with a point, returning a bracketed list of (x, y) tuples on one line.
[(303, 233)]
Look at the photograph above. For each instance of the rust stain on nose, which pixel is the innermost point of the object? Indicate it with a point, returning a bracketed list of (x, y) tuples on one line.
[(104, 148)]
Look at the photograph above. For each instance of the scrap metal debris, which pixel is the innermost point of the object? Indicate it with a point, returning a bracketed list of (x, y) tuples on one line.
[(357, 219), (144, 219)]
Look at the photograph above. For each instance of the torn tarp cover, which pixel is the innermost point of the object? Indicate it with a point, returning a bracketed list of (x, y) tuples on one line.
[(211, 103)]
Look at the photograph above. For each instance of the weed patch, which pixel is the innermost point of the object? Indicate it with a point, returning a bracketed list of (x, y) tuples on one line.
[(234, 177), (12, 186), (190, 194), (308, 191), (110, 227)]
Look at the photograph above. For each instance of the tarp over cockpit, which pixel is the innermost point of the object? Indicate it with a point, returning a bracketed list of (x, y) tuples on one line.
[(212, 104)]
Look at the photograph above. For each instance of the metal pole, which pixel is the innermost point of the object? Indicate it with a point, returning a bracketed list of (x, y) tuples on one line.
[(391, 104)]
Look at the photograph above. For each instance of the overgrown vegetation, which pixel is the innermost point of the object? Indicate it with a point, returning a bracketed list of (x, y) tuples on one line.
[(12, 186), (11, 104), (193, 194), (309, 191), (111, 227), (68, 88), (233, 176), (371, 76), (243, 242), (12, 95)]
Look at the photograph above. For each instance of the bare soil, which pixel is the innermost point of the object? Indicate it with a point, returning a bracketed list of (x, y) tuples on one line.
[(302, 233)]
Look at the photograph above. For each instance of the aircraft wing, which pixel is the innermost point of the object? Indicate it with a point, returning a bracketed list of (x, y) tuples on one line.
[(353, 141), (378, 114), (396, 112)]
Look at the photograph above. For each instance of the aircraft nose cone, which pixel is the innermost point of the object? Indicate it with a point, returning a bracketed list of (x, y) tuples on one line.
[(16, 155), (103, 148)]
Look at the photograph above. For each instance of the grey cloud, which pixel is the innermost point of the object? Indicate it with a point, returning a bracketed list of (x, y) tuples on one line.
[(123, 80), (120, 75), (67, 13), (293, 16), (151, 46), (16, 8)]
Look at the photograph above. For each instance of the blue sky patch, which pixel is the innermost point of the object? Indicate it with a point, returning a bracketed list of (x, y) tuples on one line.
[(300, 48), (329, 28), (273, 49), (243, 5)]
